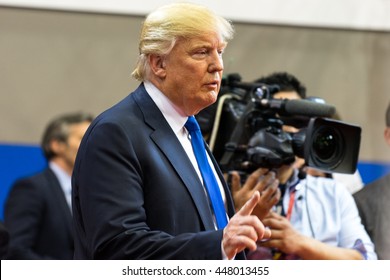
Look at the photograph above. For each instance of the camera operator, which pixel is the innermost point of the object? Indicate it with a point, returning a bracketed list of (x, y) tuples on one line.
[(317, 217)]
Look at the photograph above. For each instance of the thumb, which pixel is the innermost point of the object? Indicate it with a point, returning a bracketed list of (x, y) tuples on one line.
[(248, 207)]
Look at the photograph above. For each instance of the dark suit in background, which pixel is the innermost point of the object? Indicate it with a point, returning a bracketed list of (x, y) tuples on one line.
[(39, 219), (374, 209), (4, 240)]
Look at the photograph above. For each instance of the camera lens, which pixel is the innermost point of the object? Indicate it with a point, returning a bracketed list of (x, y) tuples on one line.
[(328, 146)]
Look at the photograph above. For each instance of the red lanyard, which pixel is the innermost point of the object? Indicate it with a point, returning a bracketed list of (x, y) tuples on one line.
[(277, 255), (290, 204)]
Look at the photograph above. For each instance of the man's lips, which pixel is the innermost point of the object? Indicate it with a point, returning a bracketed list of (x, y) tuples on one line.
[(213, 84)]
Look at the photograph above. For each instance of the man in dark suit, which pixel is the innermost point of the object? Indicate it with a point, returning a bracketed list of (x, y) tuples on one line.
[(38, 209), (374, 207), (137, 189)]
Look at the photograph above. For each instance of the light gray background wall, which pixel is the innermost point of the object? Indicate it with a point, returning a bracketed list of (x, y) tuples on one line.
[(53, 62)]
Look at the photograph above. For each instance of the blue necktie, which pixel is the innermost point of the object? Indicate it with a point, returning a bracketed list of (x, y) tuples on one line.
[(209, 179)]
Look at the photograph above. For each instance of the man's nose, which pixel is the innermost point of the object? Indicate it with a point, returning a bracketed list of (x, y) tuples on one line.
[(216, 62)]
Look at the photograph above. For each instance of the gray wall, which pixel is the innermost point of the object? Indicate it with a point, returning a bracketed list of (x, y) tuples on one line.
[(55, 62)]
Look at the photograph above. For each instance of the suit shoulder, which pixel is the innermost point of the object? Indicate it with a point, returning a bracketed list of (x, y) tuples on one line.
[(35, 179), (31, 188), (374, 188)]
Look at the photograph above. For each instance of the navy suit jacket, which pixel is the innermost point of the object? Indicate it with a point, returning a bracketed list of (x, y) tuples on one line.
[(136, 194), (39, 219)]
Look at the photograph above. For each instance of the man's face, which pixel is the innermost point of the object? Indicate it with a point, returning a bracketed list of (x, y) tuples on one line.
[(66, 151), (76, 133), (290, 129), (193, 73), (288, 95)]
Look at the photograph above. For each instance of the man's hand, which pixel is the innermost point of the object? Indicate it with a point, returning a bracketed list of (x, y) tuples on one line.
[(244, 229), (284, 237), (289, 241), (261, 180)]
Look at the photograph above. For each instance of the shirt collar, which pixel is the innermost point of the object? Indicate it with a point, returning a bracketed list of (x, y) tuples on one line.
[(63, 177), (293, 181), (173, 115)]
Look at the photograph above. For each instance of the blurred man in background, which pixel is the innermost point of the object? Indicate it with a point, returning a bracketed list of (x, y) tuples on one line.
[(373, 202), (38, 209)]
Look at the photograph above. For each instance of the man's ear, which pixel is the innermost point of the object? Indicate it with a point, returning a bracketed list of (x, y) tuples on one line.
[(157, 65), (387, 135), (57, 147)]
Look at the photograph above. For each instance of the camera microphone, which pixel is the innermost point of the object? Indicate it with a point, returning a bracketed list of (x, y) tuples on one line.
[(299, 107)]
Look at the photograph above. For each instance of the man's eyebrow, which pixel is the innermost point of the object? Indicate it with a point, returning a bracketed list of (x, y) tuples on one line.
[(209, 45), (202, 45)]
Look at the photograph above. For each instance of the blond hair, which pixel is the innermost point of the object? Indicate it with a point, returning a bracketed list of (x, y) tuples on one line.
[(163, 27)]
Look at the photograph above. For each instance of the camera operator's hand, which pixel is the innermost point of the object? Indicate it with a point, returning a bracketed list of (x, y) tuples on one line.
[(261, 180), (289, 241), (244, 229), (284, 237)]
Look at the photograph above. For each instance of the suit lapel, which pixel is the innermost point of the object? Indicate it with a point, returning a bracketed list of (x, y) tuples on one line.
[(59, 198), (167, 141)]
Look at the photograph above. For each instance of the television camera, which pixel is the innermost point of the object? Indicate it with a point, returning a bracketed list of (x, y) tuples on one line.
[(246, 130)]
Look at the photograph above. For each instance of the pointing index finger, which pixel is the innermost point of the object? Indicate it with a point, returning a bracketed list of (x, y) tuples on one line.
[(248, 207)]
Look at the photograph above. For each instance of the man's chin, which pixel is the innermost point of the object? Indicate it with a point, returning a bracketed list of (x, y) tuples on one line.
[(213, 95)]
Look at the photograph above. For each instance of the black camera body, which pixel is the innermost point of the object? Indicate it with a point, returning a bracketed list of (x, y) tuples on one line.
[(247, 131)]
